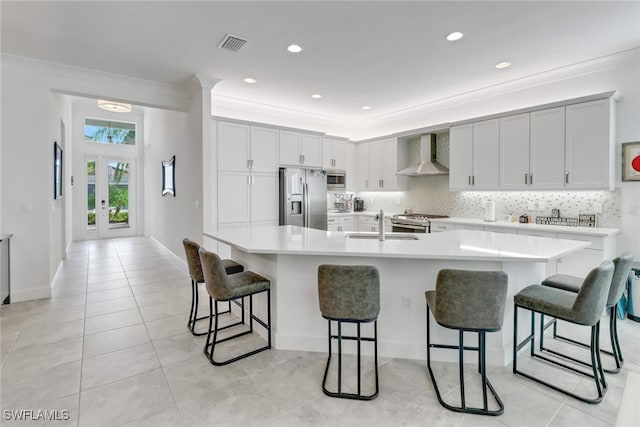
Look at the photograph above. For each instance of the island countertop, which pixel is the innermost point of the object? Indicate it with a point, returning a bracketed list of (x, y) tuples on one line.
[(465, 245)]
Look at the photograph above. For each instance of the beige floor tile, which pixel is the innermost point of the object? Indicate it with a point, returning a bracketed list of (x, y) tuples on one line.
[(125, 401), (106, 322), (116, 339), (111, 306), (46, 334), (118, 365), (99, 296)]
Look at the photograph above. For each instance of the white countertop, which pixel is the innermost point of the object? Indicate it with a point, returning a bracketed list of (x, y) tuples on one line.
[(362, 213), (593, 231), (454, 245)]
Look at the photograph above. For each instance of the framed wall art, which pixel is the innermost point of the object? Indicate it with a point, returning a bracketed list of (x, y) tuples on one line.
[(631, 161), (169, 177)]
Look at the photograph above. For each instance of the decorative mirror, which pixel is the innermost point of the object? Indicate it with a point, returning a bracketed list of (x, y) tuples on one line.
[(169, 177), (57, 171)]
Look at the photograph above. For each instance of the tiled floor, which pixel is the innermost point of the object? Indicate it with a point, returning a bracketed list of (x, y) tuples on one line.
[(111, 347)]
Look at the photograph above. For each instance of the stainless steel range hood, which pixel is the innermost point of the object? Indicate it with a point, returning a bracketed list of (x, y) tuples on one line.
[(427, 164)]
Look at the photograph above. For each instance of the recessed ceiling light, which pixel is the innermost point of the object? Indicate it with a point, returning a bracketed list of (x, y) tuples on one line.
[(503, 64), (366, 107), (454, 36), (316, 96), (294, 48), (250, 80)]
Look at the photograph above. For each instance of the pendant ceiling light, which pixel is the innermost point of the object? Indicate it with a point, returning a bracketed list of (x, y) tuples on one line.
[(113, 106)]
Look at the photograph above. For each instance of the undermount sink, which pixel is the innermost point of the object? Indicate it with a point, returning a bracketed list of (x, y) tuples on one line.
[(374, 236)]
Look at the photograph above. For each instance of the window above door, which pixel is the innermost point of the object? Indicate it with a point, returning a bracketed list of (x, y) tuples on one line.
[(102, 131)]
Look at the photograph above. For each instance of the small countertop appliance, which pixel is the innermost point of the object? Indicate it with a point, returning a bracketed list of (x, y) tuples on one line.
[(358, 205)]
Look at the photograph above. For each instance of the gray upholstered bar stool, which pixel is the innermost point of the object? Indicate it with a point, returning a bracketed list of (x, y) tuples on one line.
[(469, 301), (231, 287), (584, 308), (622, 266), (195, 271), (350, 294)]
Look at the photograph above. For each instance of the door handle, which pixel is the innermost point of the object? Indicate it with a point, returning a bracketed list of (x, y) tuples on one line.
[(526, 178), (103, 204)]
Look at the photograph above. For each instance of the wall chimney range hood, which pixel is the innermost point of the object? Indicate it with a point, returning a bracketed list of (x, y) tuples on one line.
[(427, 164)]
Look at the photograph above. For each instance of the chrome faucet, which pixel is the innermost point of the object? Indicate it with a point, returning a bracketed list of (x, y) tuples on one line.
[(381, 226)]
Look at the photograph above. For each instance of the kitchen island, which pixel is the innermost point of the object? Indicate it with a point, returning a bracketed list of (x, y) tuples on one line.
[(289, 256)]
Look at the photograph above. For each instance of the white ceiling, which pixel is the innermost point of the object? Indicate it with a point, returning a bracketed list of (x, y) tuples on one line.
[(388, 54)]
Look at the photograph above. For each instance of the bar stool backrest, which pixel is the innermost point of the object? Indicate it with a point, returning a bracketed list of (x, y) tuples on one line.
[(193, 260), (471, 300), (215, 275), (622, 266), (590, 301), (349, 292)]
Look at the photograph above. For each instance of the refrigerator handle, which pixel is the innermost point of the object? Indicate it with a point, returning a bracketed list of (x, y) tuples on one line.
[(305, 196)]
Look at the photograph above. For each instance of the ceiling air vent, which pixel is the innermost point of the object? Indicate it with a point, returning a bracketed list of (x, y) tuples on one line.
[(232, 43)]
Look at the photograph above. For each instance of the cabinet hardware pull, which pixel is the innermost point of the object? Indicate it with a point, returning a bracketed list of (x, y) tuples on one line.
[(253, 180), (382, 183), (566, 177), (366, 183), (248, 164), (531, 179), (526, 181), (469, 179), (248, 180), (473, 180)]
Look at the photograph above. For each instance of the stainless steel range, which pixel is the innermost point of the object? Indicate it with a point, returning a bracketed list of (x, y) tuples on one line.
[(413, 223)]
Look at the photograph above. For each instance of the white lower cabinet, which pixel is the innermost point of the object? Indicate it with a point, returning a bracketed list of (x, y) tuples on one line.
[(370, 224), (341, 223)]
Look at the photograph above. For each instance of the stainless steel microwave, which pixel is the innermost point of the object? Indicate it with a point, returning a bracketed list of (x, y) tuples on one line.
[(336, 181)]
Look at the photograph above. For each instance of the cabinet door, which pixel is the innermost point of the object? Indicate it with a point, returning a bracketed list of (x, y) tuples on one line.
[(233, 147), (348, 223), (340, 155), (390, 164), (514, 152), (486, 152), (350, 167), (460, 157), (588, 145), (363, 167), (311, 150), (289, 148), (264, 197), (233, 197), (327, 153), (375, 165), (264, 149), (546, 149)]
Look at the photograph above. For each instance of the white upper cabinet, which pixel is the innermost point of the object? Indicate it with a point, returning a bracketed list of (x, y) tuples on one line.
[(333, 154), (363, 166), (486, 152), (588, 146), (460, 157), (377, 166), (546, 149), (514, 152), (474, 154), (264, 149), (351, 167), (299, 149), (562, 148), (233, 146)]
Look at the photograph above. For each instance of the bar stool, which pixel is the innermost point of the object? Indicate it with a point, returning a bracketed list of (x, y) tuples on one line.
[(584, 308), (350, 294), (195, 271), (224, 287), (622, 266), (471, 301)]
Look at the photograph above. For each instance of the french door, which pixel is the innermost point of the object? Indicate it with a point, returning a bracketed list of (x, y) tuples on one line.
[(110, 197)]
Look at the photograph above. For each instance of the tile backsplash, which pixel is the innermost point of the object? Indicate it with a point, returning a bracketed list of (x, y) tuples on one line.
[(430, 194)]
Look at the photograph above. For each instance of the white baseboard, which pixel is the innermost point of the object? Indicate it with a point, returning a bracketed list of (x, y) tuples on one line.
[(19, 295)]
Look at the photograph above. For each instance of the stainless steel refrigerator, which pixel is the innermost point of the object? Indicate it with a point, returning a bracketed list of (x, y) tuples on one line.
[(303, 198)]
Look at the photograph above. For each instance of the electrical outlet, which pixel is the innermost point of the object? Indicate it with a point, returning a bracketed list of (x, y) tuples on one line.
[(531, 206), (398, 201), (597, 208), (633, 209), (406, 303), (542, 206)]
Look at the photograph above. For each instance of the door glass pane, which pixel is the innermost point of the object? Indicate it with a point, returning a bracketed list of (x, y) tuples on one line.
[(118, 195), (91, 195)]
